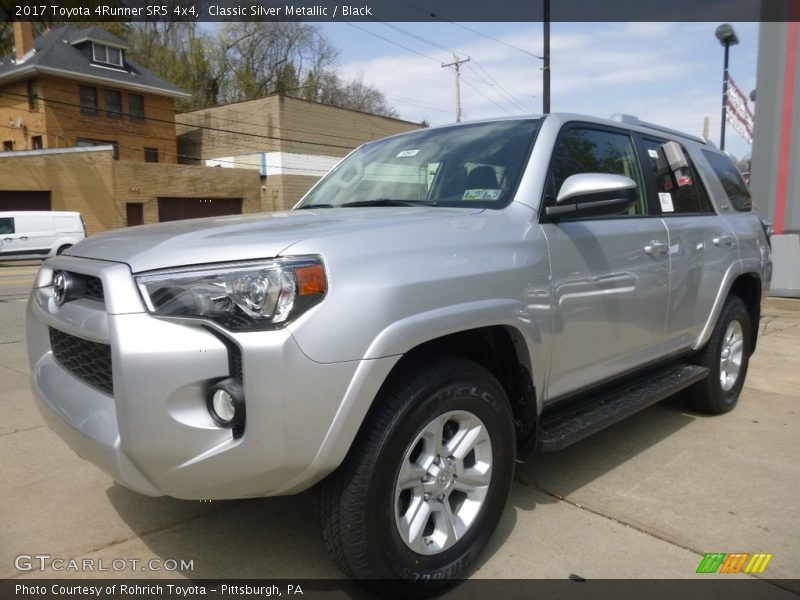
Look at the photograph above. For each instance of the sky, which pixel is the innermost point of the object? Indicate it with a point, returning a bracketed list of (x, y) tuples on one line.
[(666, 73)]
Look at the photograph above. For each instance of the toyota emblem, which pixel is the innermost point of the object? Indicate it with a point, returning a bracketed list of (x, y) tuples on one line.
[(61, 285)]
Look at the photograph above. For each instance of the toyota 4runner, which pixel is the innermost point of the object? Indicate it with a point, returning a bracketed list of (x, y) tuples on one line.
[(442, 304)]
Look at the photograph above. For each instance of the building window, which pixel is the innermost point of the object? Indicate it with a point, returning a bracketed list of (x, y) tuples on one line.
[(8, 146), (88, 100), (107, 54), (151, 155), (113, 103), (36, 142), (33, 95), (136, 106), (85, 143)]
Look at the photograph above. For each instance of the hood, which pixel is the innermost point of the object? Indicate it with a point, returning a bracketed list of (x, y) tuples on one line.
[(243, 237)]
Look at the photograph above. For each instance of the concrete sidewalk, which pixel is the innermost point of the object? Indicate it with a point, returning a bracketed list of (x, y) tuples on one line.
[(646, 498)]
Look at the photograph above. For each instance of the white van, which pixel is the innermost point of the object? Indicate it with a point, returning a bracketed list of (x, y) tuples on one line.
[(38, 234)]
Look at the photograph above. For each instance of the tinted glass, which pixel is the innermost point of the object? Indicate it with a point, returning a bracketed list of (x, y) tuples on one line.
[(580, 150), (6, 225), (679, 190), (467, 165), (731, 180)]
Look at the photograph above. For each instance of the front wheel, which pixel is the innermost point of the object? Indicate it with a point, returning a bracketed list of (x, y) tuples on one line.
[(425, 482)]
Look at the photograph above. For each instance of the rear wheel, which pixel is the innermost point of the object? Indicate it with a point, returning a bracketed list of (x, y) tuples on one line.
[(726, 355), (427, 477), (63, 249)]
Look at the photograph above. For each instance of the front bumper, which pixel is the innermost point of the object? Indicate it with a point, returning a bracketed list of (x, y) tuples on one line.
[(154, 434)]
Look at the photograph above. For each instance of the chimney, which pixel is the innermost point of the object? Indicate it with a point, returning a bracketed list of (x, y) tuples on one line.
[(23, 39)]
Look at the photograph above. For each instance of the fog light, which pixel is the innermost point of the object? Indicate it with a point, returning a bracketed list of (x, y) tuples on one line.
[(225, 403)]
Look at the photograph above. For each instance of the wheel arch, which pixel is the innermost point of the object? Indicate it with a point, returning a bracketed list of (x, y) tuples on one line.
[(745, 282)]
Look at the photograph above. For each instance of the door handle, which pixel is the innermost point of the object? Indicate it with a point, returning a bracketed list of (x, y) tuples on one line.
[(656, 248), (24, 237), (8, 239), (723, 240)]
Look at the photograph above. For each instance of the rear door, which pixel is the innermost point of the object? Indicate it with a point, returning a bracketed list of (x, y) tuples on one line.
[(610, 275), (702, 246)]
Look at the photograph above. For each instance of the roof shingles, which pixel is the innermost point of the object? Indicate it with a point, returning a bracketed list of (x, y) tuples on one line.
[(58, 54)]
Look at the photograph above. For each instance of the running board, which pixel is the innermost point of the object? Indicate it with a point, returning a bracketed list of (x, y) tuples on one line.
[(563, 428)]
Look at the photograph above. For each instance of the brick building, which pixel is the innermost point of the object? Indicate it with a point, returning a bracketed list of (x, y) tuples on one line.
[(79, 123), (290, 142), (77, 87)]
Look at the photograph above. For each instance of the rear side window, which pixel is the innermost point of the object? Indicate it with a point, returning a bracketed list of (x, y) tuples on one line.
[(679, 190), (731, 180), (6, 225)]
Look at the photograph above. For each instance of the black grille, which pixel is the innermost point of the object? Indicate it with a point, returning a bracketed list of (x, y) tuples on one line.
[(85, 359), (92, 287)]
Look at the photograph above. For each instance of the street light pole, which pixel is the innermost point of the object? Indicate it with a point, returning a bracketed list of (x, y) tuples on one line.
[(727, 37), (546, 59)]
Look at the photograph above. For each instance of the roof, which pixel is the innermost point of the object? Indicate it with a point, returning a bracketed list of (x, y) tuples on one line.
[(58, 53)]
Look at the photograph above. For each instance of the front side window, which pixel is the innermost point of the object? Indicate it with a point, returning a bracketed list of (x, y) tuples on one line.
[(467, 165), (731, 180), (679, 190), (113, 103), (587, 150), (6, 225), (88, 100)]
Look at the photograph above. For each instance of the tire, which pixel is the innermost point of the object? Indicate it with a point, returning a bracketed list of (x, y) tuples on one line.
[(63, 249), (726, 355), (378, 525)]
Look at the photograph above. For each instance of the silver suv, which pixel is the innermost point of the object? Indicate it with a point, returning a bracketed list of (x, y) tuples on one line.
[(442, 304)]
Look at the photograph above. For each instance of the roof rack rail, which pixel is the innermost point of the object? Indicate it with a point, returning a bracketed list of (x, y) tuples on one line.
[(632, 120)]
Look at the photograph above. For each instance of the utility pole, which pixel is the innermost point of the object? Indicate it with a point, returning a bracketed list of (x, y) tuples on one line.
[(456, 64), (546, 60)]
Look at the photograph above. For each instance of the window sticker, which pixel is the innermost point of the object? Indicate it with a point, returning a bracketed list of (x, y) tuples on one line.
[(481, 194), (666, 202), (653, 153), (406, 153)]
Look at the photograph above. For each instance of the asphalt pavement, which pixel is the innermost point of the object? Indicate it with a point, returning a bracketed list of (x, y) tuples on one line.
[(646, 498)]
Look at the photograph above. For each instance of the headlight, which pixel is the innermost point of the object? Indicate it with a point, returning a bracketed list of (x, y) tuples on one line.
[(239, 296)]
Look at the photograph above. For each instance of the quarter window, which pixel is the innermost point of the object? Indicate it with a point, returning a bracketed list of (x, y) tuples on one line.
[(731, 181), (583, 150), (679, 190)]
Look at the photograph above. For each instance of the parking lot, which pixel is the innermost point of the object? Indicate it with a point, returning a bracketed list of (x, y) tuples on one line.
[(646, 498)]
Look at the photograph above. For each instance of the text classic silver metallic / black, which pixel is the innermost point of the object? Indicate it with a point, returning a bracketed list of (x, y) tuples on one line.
[(440, 305)]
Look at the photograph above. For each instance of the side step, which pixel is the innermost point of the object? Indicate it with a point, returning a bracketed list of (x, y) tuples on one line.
[(562, 428)]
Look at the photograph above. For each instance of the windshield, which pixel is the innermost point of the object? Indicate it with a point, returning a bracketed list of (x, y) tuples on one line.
[(466, 165)]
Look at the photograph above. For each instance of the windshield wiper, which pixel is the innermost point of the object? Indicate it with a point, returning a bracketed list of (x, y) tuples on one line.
[(305, 206), (390, 202)]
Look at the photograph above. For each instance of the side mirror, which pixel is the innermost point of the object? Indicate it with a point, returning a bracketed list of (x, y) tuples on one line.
[(594, 194)]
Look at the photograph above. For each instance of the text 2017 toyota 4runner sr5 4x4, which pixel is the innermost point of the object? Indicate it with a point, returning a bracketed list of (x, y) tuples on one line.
[(441, 304)]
